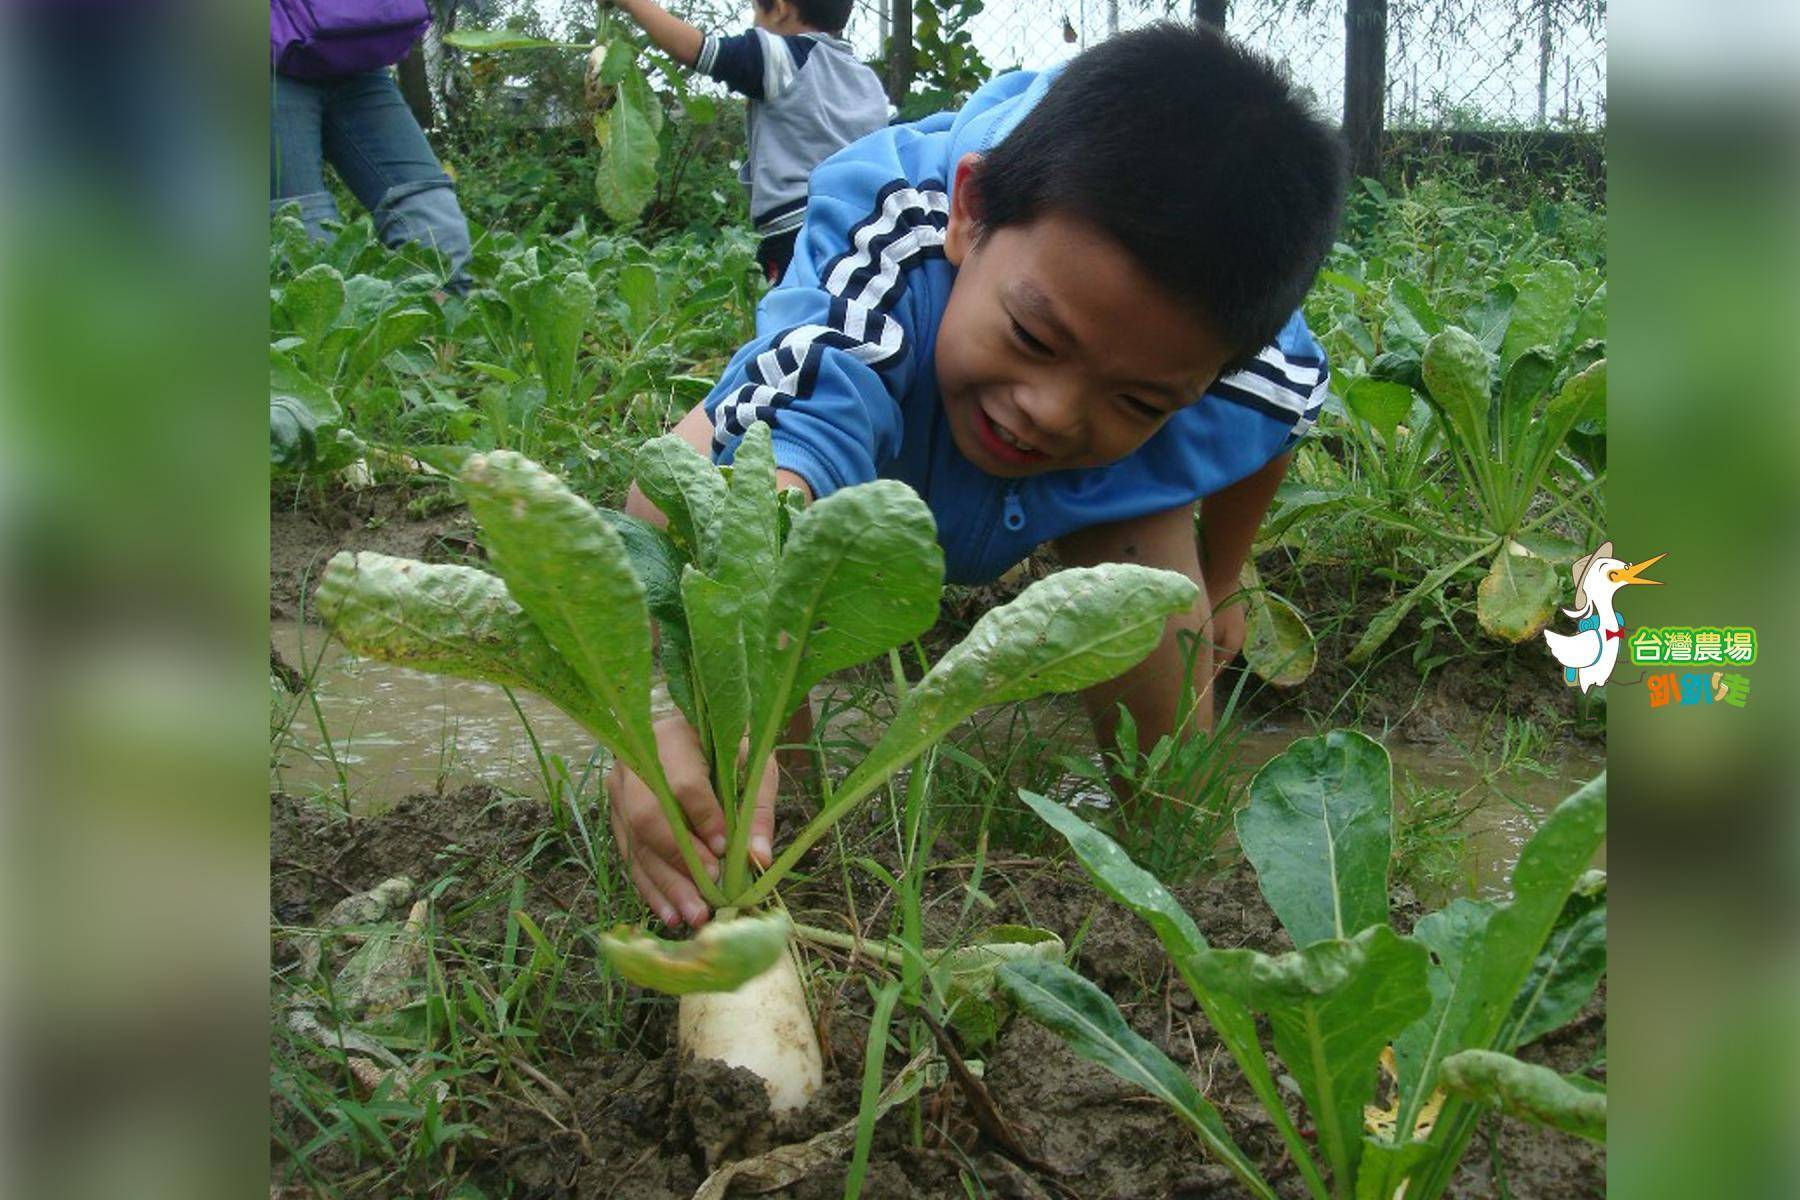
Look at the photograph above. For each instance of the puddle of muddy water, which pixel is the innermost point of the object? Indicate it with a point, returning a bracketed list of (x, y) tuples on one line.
[(1504, 808), (397, 732)]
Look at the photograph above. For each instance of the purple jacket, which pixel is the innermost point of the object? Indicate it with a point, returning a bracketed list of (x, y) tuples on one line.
[(325, 39)]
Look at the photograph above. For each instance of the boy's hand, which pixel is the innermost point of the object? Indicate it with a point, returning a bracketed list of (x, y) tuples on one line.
[(646, 842)]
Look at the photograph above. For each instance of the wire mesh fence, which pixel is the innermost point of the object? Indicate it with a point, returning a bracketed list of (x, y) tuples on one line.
[(1450, 64), (1467, 64)]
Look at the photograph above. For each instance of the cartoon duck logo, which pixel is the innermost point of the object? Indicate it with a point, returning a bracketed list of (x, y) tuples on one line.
[(1590, 653)]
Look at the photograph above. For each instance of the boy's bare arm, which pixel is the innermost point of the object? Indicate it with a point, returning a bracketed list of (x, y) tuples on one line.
[(1152, 689), (696, 429), (1229, 519), (676, 37)]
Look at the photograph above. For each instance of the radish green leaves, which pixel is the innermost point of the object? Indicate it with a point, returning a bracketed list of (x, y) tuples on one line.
[(1452, 1000), (751, 605)]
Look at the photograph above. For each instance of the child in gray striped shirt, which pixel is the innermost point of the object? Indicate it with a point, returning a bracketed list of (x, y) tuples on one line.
[(809, 97)]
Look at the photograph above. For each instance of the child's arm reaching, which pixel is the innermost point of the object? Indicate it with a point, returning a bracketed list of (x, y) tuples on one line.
[(757, 63), (673, 35), (1152, 689), (1229, 519)]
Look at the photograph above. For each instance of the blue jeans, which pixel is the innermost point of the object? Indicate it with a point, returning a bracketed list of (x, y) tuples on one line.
[(362, 126)]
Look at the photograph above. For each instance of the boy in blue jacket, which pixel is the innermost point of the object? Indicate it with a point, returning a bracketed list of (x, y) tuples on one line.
[(1065, 314)]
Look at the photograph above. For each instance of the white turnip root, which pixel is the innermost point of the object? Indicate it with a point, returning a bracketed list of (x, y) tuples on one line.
[(763, 1026)]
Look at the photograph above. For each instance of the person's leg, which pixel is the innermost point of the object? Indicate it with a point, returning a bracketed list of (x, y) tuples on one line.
[(376, 144), (297, 153)]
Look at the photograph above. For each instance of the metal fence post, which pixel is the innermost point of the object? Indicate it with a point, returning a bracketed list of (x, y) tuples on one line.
[(1546, 49), (1365, 82), (1211, 12)]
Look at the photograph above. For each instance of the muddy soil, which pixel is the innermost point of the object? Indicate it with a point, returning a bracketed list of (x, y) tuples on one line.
[(396, 519), (1465, 700), (626, 1122)]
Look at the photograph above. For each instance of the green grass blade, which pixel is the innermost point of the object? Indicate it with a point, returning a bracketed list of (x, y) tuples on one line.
[(873, 1054)]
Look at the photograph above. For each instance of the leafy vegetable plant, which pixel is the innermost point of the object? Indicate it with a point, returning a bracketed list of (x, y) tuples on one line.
[(628, 116), (1507, 395), (752, 603), (1469, 437), (1441, 1008)]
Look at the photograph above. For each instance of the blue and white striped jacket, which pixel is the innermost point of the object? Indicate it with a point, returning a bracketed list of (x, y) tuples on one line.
[(843, 370)]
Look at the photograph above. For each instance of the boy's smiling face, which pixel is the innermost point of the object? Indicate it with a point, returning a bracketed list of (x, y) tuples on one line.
[(1055, 349)]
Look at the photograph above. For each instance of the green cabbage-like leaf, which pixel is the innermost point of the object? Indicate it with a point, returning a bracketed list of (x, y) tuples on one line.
[(1543, 311), (1332, 1008), (449, 620), (1526, 378), (1581, 398), (749, 539), (1498, 965), (1590, 326), (491, 41), (688, 490), (721, 678), (721, 957), (312, 301), (655, 560), (1457, 373), (1549, 868), (861, 573), (1070, 631), (626, 178), (1453, 936), (392, 331), (1067, 632), (1567, 970), (621, 54), (1526, 1090), (557, 309), (1383, 403), (568, 569), (1318, 829)]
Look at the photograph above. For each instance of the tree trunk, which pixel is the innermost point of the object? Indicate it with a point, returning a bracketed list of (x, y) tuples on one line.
[(1211, 12), (415, 86), (1365, 82), (900, 53)]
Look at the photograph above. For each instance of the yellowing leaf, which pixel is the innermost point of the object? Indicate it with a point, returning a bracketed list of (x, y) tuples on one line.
[(724, 955), (1518, 595)]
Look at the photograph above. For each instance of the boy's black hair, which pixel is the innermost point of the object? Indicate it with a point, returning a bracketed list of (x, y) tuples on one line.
[(827, 16), (1197, 157)]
